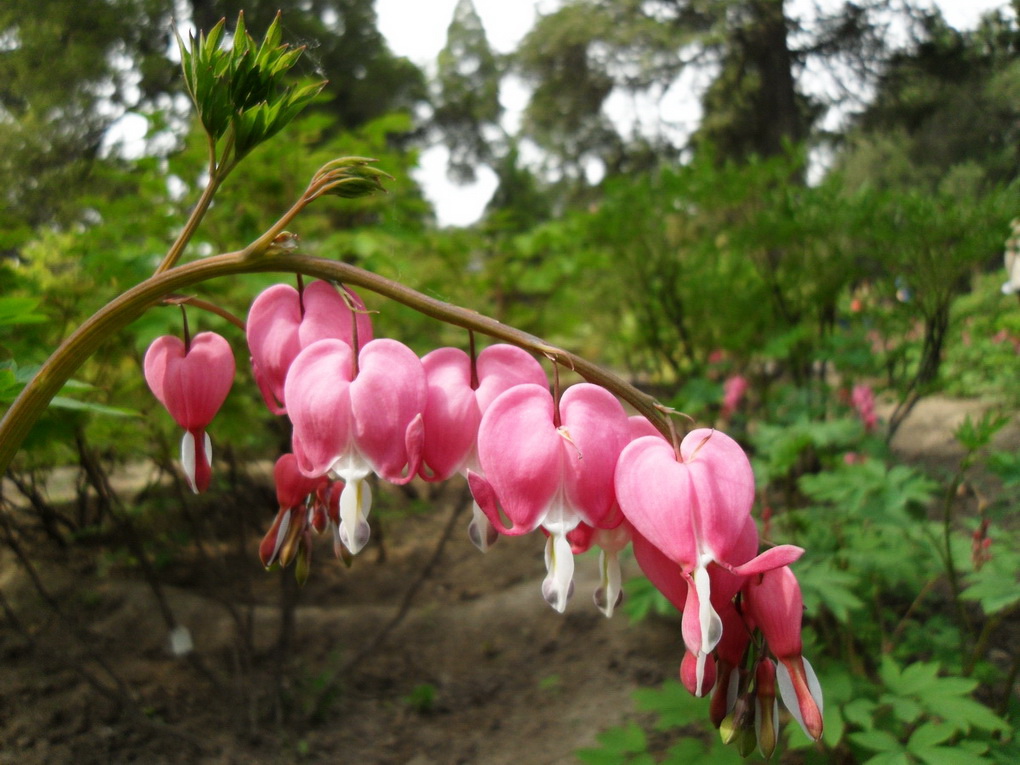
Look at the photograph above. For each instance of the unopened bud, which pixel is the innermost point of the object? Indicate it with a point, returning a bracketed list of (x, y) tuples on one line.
[(766, 708)]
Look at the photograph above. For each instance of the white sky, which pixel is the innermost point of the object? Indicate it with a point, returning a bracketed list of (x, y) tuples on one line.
[(417, 29)]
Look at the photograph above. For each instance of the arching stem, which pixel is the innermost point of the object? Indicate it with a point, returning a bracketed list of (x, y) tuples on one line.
[(124, 309)]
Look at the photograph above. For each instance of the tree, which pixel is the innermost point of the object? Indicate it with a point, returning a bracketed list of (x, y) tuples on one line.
[(945, 112), (467, 107), (68, 70), (579, 56)]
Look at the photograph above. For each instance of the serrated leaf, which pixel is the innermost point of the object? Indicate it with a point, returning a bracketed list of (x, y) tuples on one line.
[(823, 584), (889, 671), (19, 310), (615, 744), (905, 709), (964, 713), (675, 706), (860, 712), (1006, 465), (950, 686), (877, 741), (889, 758), (944, 755), (929, 734), (995, 586), (916, 679)]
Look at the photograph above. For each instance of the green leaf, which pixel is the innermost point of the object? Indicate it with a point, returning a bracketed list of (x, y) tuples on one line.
[(616, 744), (945, 755), (19, 310), (889, 758), (877, 741), (905, 709), (914, 679), (644, 599), (975, 435), (995, 585), (1006, 465), (860, 712), (674, 704), (928, 735), (964, 713), (824, 585), (62, 402)]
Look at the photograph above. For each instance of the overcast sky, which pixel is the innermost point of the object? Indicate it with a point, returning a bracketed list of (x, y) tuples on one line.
[(417, 30)]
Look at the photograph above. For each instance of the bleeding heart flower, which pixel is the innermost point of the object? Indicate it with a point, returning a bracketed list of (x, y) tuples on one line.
[(354, 416), (551, 468), (282, 322), (775, 605), (192, 383), (693, 504), (459, 392), (290, 530)]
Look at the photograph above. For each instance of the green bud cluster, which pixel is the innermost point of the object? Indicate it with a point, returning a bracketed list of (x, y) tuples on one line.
[(238, 90)]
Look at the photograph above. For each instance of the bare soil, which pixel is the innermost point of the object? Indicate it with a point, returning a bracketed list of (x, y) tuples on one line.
[(479, 670)]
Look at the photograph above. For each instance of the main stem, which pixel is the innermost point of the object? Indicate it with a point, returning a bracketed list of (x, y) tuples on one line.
[(123, 310)]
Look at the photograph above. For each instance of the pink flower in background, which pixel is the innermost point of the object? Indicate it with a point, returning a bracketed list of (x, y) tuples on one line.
[(282, 322), (459, 392), (717, 356), (863, 400), (354, 416), (551, 466), (733, 393), (191, 382)]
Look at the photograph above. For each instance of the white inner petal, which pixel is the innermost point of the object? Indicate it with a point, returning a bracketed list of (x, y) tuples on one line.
[(481, 532), (355, 504), (559, 560), (610, 591), (711, 624), (188, 459)]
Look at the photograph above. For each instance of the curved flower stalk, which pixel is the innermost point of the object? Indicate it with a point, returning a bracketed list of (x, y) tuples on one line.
[(460, 389), (354, 415), (283, 321), (191, 380), (693, 504), (552, 467)]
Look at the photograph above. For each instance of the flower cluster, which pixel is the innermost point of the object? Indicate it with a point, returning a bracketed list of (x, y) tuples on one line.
[(572, 465), (863, 400)]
